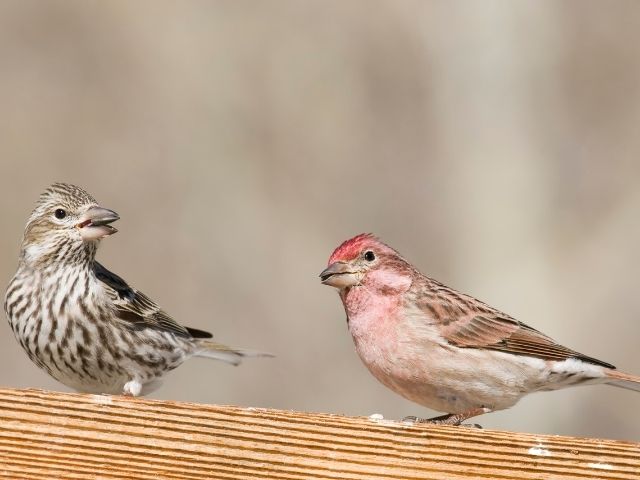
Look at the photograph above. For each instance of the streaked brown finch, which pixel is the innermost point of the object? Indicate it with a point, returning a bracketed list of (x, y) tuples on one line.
[(443, 349), (83, 324)]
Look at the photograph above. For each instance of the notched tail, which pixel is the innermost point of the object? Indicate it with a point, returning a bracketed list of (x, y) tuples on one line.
[(623, 380), (218, 351)]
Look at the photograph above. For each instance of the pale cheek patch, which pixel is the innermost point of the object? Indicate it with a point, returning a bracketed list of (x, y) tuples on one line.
[(384, 278), (35, 251)]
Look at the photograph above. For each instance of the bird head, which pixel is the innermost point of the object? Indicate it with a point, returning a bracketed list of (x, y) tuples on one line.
[(66, 223), (365, 260)]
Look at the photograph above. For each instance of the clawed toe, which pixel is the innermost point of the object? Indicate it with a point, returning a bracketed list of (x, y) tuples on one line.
[(472, 425), (132, 388), (453, 419), (411, 419)]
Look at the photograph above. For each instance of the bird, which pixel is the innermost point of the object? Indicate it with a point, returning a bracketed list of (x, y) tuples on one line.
[(443, 349), (81, 323)]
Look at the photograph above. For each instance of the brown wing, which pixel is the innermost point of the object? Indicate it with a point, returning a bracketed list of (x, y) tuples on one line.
[(135, 308), (469, 323)]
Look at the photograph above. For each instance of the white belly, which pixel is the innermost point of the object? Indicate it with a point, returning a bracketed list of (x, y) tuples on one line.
[(427, 371)]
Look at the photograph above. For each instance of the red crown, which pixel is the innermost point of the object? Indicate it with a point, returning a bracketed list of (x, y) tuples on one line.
[(350, 249)]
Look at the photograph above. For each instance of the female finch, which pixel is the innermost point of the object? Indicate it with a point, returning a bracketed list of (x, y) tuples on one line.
[(83, 324), (443, 349)]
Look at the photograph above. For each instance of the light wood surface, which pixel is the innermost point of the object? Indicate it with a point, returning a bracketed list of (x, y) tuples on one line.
[(50, 435)]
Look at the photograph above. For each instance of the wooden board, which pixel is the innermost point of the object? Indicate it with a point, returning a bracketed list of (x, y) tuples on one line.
[(46, 435)]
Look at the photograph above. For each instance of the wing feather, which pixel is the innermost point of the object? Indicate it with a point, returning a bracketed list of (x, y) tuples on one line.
[(137, 309), (478, 325)]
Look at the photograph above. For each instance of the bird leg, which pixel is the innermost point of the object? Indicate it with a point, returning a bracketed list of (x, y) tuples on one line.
[(450, 418)]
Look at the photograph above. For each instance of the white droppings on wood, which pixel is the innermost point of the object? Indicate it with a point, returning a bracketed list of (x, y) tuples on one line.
[(102, 399), (600, 466), (539, 450), (379, 419)]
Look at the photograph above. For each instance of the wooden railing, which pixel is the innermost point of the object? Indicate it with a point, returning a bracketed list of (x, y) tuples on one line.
[(50, 435)]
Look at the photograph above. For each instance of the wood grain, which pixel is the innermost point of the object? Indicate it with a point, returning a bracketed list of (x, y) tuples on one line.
[(70, 436)]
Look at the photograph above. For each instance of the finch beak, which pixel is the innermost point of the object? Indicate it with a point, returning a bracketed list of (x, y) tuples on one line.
[(94, 224), (340, 275)]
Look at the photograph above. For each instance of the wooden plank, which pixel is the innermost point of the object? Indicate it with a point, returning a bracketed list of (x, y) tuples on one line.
[(72, 436)]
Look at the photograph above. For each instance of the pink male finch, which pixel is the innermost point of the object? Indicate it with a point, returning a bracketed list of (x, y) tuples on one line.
[(443, 349), (83, 324)]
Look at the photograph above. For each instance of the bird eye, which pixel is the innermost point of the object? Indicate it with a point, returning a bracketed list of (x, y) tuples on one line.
[(369, 256), (60, 214)]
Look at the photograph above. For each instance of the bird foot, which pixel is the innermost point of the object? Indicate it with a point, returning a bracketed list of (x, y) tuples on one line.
[(132, 388), (454, 419), (411, 419), (471, 425)]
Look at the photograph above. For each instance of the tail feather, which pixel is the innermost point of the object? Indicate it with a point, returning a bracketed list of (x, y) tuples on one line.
[(218, 351), (623, 380)]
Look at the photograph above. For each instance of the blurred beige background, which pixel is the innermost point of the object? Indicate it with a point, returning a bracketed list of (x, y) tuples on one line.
[(495, 144)]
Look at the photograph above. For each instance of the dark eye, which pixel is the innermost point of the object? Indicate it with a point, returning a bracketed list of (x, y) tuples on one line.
[(369, 256), (60, 214)]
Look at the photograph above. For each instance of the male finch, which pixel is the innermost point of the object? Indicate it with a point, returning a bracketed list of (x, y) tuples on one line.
[(83, 324), (443, 349)]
